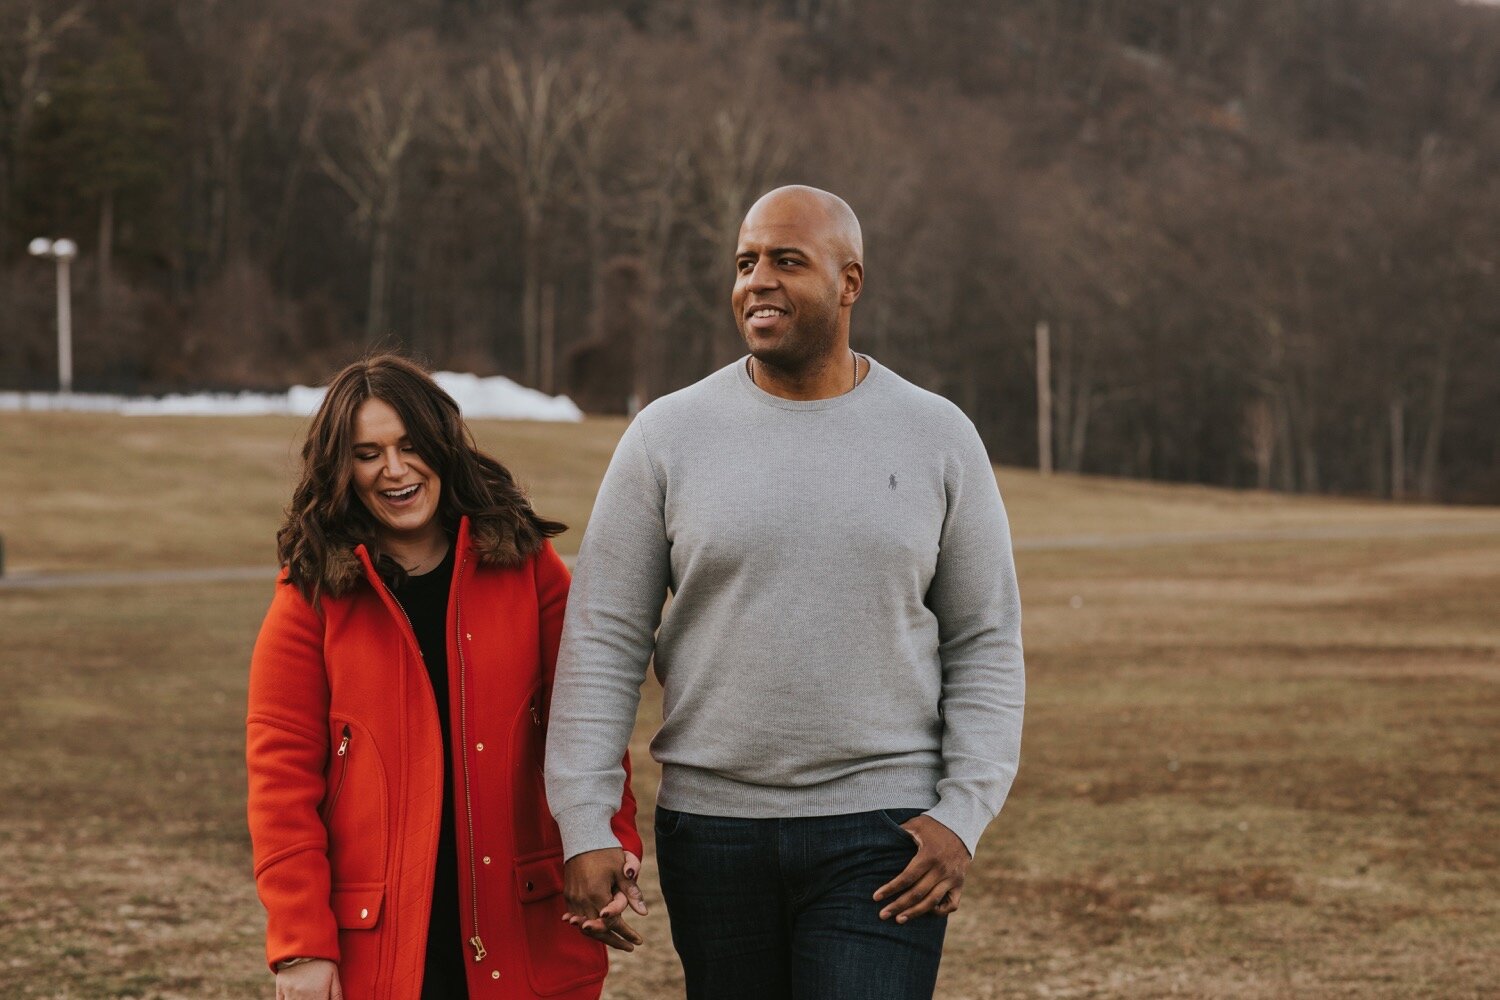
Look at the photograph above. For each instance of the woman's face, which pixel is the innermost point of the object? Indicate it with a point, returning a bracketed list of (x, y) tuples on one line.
[(390, 479)]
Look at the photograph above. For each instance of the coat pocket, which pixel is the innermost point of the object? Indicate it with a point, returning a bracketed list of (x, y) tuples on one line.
[(534, 831), (558, 957), (357, 907), (357, 911), (355, 808)]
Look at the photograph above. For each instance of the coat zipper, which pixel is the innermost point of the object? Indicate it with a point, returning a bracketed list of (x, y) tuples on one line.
[(463, 735), (338, 788), (468, 807)]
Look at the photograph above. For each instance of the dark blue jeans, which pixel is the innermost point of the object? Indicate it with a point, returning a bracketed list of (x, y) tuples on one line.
[(782, 909)]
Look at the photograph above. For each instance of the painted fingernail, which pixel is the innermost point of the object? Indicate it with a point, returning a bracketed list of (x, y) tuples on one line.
[(630, 873)]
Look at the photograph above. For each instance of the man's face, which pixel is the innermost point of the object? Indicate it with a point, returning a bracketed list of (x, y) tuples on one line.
[(788, 283)]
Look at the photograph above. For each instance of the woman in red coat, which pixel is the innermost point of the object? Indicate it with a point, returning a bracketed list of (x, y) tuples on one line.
[(398, 703)]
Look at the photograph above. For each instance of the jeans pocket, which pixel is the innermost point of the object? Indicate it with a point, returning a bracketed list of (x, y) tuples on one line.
[(668, 822), (892, 819)]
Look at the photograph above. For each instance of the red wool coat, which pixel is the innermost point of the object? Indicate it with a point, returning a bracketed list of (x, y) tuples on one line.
[(346, 785)]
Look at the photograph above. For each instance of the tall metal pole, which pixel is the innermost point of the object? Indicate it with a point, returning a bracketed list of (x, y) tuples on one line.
[(62, 251), (64, 326), (1044, 399)]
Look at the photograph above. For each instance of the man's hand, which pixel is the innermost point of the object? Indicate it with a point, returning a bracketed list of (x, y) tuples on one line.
[(315, 980), (598, 886), (933, 880)]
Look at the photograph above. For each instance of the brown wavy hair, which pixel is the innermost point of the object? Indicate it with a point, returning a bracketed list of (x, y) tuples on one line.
[(326, 519)]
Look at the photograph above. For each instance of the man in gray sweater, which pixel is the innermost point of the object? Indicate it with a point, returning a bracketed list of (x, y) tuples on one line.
[(841, 660)]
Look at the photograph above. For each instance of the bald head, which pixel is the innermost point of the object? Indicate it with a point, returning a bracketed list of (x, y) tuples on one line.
[(799, 269), (827, 214)]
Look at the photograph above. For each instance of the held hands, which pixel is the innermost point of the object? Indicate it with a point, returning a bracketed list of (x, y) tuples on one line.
[(598, 886), (933, 880), (315, 980)]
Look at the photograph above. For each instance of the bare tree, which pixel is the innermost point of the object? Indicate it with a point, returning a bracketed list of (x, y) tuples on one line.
[(28, 39), (741, 154), (381, 113), (525, 118)]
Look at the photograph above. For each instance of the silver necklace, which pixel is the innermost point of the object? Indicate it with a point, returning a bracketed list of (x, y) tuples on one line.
[(425, 565), (750, 369)]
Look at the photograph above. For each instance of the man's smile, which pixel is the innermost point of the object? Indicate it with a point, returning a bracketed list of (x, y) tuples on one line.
[(762, 316)]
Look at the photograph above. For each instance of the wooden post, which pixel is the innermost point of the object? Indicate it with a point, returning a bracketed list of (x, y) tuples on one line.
[(1044, 399)]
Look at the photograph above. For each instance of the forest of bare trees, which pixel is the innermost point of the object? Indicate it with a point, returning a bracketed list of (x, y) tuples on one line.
[(1264, 234)]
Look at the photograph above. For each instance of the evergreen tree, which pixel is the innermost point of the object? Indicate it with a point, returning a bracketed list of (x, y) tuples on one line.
[(100, 156)]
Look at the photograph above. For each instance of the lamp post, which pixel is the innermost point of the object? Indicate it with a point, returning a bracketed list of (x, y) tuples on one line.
[(62, 251)]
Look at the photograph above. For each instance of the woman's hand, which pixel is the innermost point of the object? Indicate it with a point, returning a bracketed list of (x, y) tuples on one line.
[(599, 886), (631, 894), (315, 980)]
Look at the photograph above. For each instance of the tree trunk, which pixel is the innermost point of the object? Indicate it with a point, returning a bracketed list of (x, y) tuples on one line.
[(1083, 410), (218, 205), (1432, 443), (593, 220), (548, 333), (1043, 399), (1398, 449), (375, 309), (1378, 469), (1286, 469), (377, 321), (1307, 451), (531, 296), (1074, 399), (1062, 407), (643, 346), (1261, 433), (106, 250)]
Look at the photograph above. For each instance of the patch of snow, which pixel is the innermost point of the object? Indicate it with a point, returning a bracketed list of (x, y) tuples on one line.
[(495, 397)]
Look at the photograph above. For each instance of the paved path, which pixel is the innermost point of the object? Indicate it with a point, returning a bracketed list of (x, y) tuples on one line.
[(133, 578), (1304, 533), (1055, 543)]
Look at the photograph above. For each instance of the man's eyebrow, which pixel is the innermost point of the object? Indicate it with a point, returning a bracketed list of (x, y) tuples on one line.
[(773, 252)]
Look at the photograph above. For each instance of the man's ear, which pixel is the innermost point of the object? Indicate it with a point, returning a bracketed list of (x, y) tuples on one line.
[(852, 282)]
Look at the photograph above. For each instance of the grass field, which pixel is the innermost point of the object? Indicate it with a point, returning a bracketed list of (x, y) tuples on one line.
[(1253, 768)]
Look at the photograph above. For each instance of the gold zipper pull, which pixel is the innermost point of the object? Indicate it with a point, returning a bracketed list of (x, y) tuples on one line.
[(478, 945), (344, 743)]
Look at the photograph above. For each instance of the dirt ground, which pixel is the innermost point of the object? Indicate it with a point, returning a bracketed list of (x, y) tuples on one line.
[(1251, 769)]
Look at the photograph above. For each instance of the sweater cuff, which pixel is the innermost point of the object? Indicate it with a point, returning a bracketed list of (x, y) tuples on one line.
[(965, 815), (586, 828)]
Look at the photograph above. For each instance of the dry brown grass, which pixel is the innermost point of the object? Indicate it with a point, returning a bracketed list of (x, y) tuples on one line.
[(1261, 769), (90, 492)]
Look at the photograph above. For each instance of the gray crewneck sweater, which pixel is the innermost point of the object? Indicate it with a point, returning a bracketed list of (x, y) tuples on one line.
[(844, 632)]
